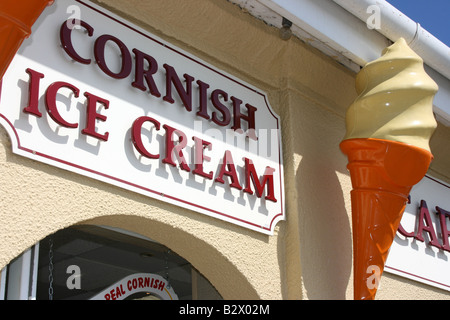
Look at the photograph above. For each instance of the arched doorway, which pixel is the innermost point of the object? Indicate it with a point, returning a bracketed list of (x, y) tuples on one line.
[(93, 262)]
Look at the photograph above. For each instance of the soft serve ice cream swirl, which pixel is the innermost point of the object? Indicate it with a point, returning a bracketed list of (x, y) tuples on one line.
[(394, 101)]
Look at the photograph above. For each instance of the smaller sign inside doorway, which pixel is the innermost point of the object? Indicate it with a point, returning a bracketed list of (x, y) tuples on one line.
[(114, 264), (152, 285)]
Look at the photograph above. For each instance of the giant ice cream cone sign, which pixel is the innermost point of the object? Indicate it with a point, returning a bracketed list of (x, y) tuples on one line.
[(16, 19), (387, 144)]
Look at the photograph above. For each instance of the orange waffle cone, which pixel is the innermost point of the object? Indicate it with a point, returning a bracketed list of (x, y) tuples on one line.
[(382, 174), (16, 20)]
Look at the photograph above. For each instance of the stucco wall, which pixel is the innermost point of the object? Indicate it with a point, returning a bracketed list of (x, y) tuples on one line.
[(310, 254)]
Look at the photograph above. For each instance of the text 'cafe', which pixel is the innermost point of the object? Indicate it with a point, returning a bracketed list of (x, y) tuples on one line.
[(188, 151)]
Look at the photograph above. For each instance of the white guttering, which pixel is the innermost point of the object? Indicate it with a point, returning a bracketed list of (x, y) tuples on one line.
[(330, 25), (394, 24), (342, 25)]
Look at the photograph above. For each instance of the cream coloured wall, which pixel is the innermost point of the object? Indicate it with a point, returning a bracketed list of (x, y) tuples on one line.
[(310, 255)]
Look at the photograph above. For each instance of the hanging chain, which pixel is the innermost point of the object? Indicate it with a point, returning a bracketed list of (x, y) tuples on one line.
[(50, 270), (166, 267)]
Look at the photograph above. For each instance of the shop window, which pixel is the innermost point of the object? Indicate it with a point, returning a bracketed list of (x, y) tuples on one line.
[(91, 262)]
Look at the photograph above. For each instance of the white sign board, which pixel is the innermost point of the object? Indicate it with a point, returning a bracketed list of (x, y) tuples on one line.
[(91, 93), (421, 249)]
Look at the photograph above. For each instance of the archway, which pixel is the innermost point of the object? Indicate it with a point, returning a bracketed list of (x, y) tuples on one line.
[(123, 243), (101, 263)]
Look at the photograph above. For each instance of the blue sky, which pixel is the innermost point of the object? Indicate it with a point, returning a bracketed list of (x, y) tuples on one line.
[(433, 15)]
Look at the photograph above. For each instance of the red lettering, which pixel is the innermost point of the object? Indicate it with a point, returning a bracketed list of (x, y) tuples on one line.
[(99, 53), (200, 157), (51, 95), (177, 150), (175, 140), (50, 100), (141, 74), (66, 38), (426, 225), (228, 169), (136, 132), (249, 117), (203, 99), (444, 231), (184, 94), (146, 67), (226, 116), (161, 285), (267, 179), (118, 292), (33, 100), (92, 116), (403, 232), (129, 285)]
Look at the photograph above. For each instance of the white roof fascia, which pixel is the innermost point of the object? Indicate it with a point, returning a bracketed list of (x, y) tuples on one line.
[(436, 55), (339, 29), (394, 24), (332, 25)]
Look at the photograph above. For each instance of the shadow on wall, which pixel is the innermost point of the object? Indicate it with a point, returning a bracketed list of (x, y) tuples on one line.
[(324, 224)]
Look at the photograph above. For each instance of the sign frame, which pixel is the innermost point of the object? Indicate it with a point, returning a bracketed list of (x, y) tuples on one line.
[(249, 216)]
